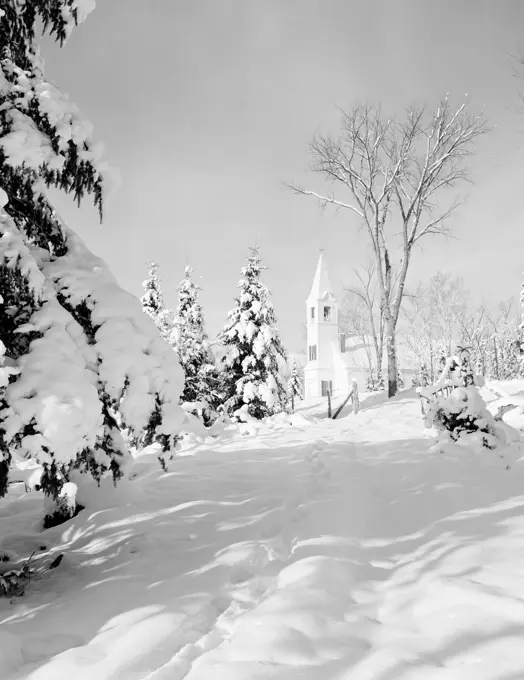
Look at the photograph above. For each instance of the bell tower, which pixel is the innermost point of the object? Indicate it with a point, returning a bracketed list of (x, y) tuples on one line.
[(322, 334)]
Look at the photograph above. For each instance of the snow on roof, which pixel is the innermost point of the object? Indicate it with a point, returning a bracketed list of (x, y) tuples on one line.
[(321, 284)]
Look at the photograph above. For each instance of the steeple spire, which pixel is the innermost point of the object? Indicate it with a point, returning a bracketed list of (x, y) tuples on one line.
[(321, 284)]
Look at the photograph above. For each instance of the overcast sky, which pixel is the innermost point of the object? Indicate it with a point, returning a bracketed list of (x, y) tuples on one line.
[(207, 107)]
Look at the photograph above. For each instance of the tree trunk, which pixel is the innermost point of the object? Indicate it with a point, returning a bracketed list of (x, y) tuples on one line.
[(392, 357)]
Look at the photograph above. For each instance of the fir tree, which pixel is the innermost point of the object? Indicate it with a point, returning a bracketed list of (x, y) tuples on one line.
[(190, 340), (296, 382), (153, 303), (252, 372), (77, 356)]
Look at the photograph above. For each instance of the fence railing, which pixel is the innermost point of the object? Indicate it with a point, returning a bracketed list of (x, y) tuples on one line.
[(436, 395)]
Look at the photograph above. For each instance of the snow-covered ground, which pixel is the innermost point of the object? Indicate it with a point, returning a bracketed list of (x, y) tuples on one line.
[(311, 550)]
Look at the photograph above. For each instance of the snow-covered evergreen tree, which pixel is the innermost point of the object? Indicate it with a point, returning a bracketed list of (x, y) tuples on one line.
[(153, 303), (296, 381), (461, 416), (77, 355), (252, 367), (190, 340), (521, 333)]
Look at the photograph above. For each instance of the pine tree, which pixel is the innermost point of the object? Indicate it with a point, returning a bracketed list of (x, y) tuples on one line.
[(190, 340), (252, 372), (153, 303), (77, 356), (296, 382)]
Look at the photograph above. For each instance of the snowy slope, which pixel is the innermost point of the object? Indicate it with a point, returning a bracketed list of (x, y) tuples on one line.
[(323, 550)]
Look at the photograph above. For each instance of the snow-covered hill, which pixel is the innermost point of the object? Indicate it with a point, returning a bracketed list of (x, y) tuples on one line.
[(312, 550)]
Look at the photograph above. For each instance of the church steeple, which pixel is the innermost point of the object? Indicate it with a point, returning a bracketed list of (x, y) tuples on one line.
[(323, 352), (321, 284)]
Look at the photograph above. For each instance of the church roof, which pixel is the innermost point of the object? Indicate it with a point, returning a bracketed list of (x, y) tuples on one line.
[(321, 284)]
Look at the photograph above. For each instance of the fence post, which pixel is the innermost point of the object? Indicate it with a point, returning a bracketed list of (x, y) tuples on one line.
[(329, 403), (356, 403)]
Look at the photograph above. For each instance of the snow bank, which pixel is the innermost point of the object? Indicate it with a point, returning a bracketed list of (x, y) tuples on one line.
[(341, 550)]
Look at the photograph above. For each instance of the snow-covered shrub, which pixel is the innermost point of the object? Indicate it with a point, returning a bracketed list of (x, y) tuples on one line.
[(13, 579), (78, 358), (65, 507), (374, 380), (460, 414), (255, 355)]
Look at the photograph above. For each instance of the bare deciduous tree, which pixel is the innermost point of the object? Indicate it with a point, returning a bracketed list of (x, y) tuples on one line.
[(441, 317), (362, 315), (393, 172), (415, 333)]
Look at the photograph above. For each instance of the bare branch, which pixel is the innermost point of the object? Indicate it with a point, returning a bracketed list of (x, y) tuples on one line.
[(324, 199)]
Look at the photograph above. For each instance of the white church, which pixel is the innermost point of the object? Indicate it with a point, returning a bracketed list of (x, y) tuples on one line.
[(333, 360)]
